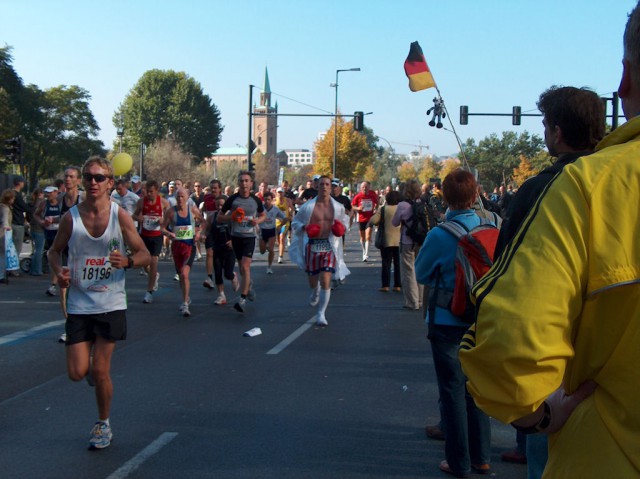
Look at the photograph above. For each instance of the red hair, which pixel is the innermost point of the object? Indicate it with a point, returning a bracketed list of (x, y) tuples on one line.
[(459, 189)]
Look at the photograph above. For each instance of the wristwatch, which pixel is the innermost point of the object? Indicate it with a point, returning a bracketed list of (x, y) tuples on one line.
[(541, 425), (129, 262)]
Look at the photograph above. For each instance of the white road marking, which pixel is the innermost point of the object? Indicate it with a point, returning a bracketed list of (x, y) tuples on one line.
[(134, 463), (9, 338), (291, 338)]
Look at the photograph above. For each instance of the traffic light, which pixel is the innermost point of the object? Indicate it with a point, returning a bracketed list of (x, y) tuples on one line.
[(515, 115), (358, 120), (464, 115), (13, 149)]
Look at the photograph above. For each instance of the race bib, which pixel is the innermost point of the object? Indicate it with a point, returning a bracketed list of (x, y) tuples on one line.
[(184, 232), (367, 205), (268, 224), (320, 247), (94, 274), (245, 226), (53, 225), (151, 223)]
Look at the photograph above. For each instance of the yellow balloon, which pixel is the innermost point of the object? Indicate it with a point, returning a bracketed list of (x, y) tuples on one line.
[(121, 163)]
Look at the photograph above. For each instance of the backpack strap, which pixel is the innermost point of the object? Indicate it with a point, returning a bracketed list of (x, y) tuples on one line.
[(454, 228)]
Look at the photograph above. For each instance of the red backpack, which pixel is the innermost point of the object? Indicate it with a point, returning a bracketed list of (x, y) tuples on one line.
[(474, 257)]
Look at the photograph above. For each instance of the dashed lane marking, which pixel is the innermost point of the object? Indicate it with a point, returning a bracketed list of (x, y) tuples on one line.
[(18, 335), (291, 338), (134, 463)]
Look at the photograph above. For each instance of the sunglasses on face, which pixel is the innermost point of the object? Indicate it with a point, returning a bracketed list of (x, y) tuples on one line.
[(88, 177)]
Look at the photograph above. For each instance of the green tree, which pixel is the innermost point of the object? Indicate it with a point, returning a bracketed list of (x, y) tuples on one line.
[(353, 153), (56, 125), (165, 160), (495, 158), (169, 104)]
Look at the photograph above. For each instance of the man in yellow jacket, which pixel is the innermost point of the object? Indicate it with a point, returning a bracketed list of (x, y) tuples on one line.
[(556, 346)]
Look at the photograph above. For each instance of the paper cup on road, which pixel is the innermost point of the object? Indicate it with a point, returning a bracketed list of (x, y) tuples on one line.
[(252, 332)]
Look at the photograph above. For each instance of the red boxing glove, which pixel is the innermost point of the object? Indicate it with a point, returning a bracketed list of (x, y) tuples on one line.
[(338, 229), (313, 230)]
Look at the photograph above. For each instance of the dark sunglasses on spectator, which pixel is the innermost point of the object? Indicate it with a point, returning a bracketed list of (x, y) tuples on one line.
[(99, 177)]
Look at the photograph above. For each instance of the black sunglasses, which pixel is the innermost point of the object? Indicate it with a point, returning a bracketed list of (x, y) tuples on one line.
[(88, 177)]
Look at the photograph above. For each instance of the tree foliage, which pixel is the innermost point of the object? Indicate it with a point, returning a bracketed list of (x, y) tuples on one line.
[(165, 160), (495, 158), (57, 126), (266, 168), (169, 104), (448, 166), (407, 171), (353, 153)]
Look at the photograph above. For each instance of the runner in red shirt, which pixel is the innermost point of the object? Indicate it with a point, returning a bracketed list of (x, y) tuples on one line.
[(365, 203)]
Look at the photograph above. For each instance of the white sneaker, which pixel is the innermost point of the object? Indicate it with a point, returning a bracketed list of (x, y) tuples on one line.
[(148, 298), (100, 436), (51, 290), (321, 320), (142, 272), (62, 338), (220, 300), (184, 309), (176, 277), (208, 283), (155, 285), (269, 271), (279, 259), (235, 283)]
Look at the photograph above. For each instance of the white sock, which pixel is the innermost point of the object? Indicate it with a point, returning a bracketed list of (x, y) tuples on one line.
[(325, 296), (366, 248), (106, 421)]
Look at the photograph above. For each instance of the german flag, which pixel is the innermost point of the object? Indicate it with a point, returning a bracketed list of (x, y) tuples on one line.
[(416, 68)]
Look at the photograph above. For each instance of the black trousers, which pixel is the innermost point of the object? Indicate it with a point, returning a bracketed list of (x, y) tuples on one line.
[(390, 254)]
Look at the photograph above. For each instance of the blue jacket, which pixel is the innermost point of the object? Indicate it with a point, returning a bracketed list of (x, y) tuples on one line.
[(439, 251)]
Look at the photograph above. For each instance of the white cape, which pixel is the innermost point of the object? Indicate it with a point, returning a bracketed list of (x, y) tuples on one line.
[(299, 238)]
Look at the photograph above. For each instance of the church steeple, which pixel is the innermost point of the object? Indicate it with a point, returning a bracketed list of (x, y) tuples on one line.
[(265, 96), (265, 122)]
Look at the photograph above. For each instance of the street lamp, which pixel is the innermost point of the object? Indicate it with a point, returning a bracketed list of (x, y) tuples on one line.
[(335, 120)]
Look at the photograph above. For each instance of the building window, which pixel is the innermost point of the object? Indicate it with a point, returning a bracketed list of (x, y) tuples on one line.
[(259, 141)]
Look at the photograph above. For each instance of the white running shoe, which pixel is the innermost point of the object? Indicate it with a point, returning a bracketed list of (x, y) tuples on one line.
[(321, 320), (51, 290), (208, 283), (220, 300), (101, 436), (184, 309), (176, 277), (62, 338), (235, 283), (155, 284), (279, 259), (269, 271), (148, 298)]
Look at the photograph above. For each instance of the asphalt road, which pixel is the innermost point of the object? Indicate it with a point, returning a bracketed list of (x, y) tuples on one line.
[(194, 398)]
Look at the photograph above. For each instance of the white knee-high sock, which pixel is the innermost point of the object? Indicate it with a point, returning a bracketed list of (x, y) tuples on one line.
[(325, 296), (366, 248)]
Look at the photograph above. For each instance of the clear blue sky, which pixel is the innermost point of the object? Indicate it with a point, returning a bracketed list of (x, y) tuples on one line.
[(489, 55)]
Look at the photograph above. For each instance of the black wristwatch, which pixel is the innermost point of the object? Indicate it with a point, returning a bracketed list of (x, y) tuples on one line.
[(129, 262), (541, 425)]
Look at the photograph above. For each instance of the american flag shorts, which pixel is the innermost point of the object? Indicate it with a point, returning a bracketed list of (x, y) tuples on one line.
[(319, 257)]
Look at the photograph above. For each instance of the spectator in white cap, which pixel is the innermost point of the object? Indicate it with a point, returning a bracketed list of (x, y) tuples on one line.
[(136, 185)]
